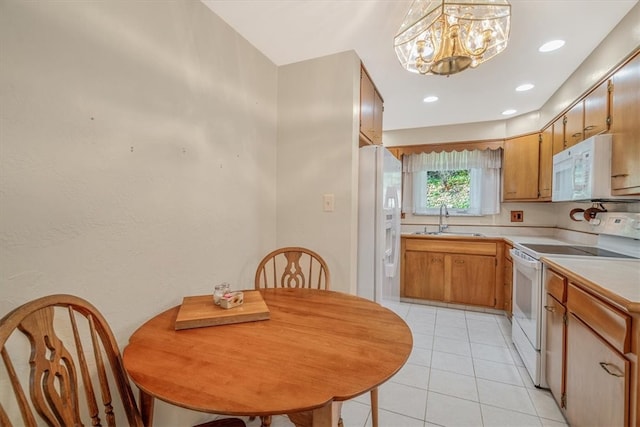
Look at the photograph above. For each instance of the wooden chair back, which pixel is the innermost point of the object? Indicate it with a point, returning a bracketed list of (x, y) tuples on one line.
[(293, 267), (66, 349)]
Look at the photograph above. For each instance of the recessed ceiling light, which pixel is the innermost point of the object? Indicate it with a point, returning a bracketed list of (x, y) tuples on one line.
[(430, 99), (508, 112), (552, 45), (524, 87)]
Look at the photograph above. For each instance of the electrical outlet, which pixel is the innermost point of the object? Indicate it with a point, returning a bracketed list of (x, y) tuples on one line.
[(517, 216)]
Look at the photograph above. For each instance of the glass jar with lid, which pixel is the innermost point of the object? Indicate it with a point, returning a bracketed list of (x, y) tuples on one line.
[(219, 291)]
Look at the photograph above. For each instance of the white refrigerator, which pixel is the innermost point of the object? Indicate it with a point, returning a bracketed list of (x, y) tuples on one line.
[(379, 189)]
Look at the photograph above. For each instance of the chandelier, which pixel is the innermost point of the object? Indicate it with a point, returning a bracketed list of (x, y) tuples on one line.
[(446, 37)]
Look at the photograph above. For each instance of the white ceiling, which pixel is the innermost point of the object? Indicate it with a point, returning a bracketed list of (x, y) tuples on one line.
[(288, 31)]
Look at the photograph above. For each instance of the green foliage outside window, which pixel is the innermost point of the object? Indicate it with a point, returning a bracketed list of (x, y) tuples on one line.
[(449, 187)]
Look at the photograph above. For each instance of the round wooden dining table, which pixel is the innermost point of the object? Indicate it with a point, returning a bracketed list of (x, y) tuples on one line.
[(317, 348)]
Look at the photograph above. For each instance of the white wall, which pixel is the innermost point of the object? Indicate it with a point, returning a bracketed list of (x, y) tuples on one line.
[(137, 157), (317, 154)]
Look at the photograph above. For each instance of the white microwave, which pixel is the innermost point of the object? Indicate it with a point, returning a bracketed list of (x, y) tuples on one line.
[(583, 172)]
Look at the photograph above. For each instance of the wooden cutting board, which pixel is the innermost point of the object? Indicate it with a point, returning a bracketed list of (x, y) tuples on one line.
[(200, 311)]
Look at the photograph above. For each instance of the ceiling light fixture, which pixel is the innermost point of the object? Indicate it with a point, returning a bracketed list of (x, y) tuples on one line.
[(446, 37), (430, 99), (551, 46), (524, 87), (508, 112)]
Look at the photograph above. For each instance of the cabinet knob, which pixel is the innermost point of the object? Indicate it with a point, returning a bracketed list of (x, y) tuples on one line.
[(550, 309), (459, 261), (606, 367)]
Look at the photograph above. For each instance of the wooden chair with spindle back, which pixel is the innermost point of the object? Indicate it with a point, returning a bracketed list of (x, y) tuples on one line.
[(64, 349), (74, 361), (292, 267), (297, 267)]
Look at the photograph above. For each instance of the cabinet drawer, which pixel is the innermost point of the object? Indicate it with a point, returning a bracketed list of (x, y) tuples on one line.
[(449, 246), (610, 323), (556, 285)]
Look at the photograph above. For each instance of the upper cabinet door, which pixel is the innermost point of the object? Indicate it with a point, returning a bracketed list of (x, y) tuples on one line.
[(596, 111), (625, 127), (378, 108), (558, 136), (574, 125), (371, 107), (520, 168), (546, 164)]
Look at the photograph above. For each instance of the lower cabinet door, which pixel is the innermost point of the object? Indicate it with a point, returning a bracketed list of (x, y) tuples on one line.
[(424, 275), (555, 347), (597, 388), (473, 280)]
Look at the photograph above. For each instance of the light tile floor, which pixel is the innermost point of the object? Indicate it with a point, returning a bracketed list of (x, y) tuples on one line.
[(463, 372)]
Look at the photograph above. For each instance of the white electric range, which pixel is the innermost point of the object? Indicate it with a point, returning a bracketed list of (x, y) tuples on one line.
[(619, 239)]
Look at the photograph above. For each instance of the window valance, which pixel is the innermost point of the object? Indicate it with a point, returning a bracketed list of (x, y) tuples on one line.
[(448, 147), (453, 160)]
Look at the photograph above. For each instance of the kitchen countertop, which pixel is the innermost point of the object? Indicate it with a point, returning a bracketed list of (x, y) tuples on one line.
[(511, 239), (615, 279)]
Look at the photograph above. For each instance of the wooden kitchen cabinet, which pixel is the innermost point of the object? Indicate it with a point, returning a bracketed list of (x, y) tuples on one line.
[(600, 356), (424, 275), (371, 108), (589, 357), (555, 334), (545, 173), (589, 116), (558, 141), (574, 124), (596, 110), (520, 168), (473, 280), (597, 379), (555, 313), (625, 129), (461, 271)]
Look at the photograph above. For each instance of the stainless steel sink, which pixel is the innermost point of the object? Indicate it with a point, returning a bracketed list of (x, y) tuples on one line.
[(447, 233)]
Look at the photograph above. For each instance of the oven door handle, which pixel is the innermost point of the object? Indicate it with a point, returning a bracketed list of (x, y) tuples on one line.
[(524, 262)]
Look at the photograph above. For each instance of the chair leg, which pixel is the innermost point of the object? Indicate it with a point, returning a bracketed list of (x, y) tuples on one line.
[(265, 421), (374, 407)]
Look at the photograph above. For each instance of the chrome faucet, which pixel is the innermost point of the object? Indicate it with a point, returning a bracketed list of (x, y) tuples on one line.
[(441, 226)]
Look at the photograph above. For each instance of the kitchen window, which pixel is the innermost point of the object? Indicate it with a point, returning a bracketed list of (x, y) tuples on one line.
[(467, 182)]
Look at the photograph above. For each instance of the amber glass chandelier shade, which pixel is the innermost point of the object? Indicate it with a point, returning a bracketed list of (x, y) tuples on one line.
[(446, 37)]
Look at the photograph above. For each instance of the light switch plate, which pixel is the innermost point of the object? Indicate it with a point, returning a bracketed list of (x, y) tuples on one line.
[(328, 202)]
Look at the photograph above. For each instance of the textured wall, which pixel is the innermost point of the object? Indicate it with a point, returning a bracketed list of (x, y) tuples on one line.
[(137, 156), (317, 154)]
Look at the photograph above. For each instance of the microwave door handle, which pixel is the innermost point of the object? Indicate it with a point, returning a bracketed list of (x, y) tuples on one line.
[(576, 185)]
